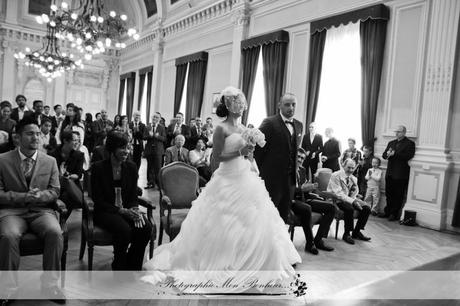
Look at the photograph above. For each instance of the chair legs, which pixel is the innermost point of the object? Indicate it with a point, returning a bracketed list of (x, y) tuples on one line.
[(90, 257), (82, 246), (152, 242), (63, 266), (160, 235), (337, 222)]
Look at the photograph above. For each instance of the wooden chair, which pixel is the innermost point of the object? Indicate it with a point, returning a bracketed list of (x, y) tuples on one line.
[(178, 189), (294, 221), (323, 177), (93, 235), (31, 244)]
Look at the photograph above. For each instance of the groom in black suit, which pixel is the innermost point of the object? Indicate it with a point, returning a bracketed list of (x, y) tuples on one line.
[(277, 159)]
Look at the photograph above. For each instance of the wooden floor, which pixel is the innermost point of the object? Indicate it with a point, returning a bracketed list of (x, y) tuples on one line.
[(393, 248)]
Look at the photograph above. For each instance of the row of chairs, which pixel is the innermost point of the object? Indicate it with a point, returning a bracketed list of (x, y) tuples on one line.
[(322, 178)]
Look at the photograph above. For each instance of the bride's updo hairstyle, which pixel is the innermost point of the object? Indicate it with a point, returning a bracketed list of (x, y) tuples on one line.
[(232, 100)]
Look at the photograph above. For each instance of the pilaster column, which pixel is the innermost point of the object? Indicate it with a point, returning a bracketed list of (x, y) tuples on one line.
[(430, 168), (9, 71), (241, 17), (158, 49), (11, 11)]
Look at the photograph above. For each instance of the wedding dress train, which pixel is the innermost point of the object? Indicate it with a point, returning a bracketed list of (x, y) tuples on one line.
[(232, 232)]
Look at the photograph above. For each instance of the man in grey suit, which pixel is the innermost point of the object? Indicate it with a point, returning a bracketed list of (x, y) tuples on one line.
[(177, 152), (29, 184)]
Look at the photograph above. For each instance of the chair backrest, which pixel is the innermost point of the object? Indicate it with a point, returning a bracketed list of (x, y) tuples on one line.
[(179, 182), (323, 175)]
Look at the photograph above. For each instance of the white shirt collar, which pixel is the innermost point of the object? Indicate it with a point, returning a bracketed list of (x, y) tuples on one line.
[(23, 157), (286, 119)]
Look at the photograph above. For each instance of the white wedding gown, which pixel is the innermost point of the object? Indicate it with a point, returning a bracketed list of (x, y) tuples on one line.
[(233, 230)]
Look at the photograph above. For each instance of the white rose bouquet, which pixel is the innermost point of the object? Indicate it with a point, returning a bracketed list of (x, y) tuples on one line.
[(254, 137)]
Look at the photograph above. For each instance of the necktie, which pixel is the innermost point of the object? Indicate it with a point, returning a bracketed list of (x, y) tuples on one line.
[(27, 165), (348, 180), (178, 155)]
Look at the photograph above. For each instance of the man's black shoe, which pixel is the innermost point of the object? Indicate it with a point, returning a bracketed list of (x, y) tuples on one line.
[(322, 246), (310, 248), (360, 236), (347, 238)]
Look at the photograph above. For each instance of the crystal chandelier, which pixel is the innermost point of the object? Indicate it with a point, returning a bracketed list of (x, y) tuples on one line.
[(48, 60), (89, 28)]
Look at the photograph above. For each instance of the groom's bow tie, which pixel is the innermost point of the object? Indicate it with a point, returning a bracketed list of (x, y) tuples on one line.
[(289, 122)]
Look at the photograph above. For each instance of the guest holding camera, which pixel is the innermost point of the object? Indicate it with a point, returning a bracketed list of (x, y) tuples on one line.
[(114, 191)]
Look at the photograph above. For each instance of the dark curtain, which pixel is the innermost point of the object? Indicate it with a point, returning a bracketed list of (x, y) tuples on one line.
[(456, 216), (195, 88), (181, 71), (250, 59), (130, 96), (274, 59), (121, 93), (149, 94), (372, 36), (315, 63), (141, 90)]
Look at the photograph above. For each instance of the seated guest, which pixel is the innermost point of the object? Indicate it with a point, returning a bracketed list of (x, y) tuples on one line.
[(83, 149), (47, 142), (70, 165), (6, 127), (29, 184), (71, 122), (345, 186), (200, 159), (331, 152), (352, 153), (114, 192), (305, 202), (177, 152)]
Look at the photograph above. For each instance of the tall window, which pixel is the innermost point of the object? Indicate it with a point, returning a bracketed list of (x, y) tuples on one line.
[(124, 101), (339, 102), (183, 100), (143, 108), (258, 109)]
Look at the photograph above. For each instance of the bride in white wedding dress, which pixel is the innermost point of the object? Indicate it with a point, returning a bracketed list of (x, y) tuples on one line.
[(233, 230)]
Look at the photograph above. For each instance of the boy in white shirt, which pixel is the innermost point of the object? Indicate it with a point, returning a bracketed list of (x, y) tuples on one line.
[(373, 177)]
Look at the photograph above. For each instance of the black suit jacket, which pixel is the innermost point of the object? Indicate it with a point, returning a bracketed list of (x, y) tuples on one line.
[(99, 153), (34, 116), (277, 159), (100, 130), (398, 168), (316, 146), (184, 130), (155, 146), (15, 114), (331, 150), (195, 135), (138, 136), (73, 164), (103, 188)]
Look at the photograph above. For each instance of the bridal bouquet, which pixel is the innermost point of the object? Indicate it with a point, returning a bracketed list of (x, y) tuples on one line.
[(254, 137)]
